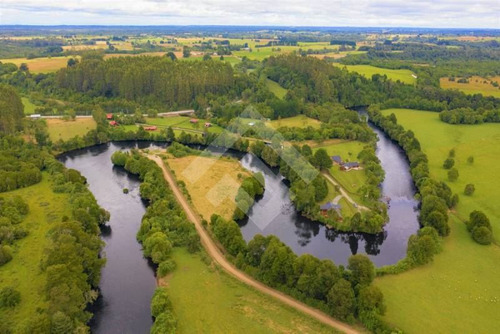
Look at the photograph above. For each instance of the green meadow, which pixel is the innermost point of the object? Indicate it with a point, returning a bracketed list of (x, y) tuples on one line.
[(29, 107), (458, 292), (23, 272), (276, 89), (207, 300), (402, 75), (182, 122), (300, 121)]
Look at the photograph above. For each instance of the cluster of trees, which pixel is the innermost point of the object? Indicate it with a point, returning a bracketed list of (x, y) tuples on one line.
[(345, 293), (12, 212), (162, 311), (470, 116), (11, 110), (480, 228), (250, 188)]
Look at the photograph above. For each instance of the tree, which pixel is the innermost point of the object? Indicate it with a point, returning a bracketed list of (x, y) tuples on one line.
[(423, 246), (480, 227), (439, 221), (165, 323), (341, 300), (453, 174), (11, 110), (451, 154), (72, 62), (5, 254), (61, 323), (186, 52), (160, 302), (469, 189), (482, 235), (171, 55), (448, 163), (370, 298), (362, 269), (470, 160), (170, 134), (321, 159), (9, 297), (207, 56)]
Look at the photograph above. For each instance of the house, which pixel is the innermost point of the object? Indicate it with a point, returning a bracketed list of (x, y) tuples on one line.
[(337, 159), (207, 124), (350, 166), (150, 128), (193, 121), (35, 116), (328, 206), (113, 123), (109, 116)]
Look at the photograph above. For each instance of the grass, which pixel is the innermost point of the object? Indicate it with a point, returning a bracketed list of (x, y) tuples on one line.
[(182, 122), (211, 182), (23, 272), (207, 300), (476, 85), (60, 129), (458, 292), (29, 108), (300, 121), (41, 65), (402, 75), (276, 89)]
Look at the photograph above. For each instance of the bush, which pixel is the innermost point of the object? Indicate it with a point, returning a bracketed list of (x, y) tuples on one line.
[(9, 297), (453, 174), (469, 189), (160, 302), (166, 267), (119, 158), (5, 255), (480, 228), (482, 235), (165, 323), (362, 269), (341, 300), (448, 163)]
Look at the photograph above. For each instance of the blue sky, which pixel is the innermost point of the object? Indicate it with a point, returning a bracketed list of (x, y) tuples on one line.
[(382, 13)]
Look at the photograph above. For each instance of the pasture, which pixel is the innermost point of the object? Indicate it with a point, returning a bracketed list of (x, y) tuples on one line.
[(23, 272), (29, 107), (405, 76), (276, 89), (207, 300), (458, 291), (41, 65), (183, 123), (211, 182), (300, 121), (61, 129), (476, 85)]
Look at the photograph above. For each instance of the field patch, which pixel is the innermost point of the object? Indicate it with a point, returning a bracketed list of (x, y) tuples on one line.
[(207, 300), (405, 76), (276, 89), (183, 123), (475, 85), (458, 292), (41, 65), (61, 129), (300, 121), (211, 182)]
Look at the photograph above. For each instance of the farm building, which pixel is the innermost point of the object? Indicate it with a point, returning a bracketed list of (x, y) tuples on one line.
[(337, 159), (150, 128), (35, 116), (109, 116), (325, 208), (193, 121), (113, 123), (350, 166), (207, 125)]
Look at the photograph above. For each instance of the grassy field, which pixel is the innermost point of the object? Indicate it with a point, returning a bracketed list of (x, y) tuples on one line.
[(476, 85), (402, 75), (458, 292), (207, 300), (60, 129), (211, 182), (23, 272), (275, 88), (300, 121), (41, 65), (183, 123), (29, 108)]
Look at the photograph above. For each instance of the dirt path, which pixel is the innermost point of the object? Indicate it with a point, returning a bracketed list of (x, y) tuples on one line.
[(343, 192), (218, 257)]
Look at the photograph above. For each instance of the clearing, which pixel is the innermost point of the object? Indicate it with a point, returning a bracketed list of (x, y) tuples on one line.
[(208, 300), (476, 85), (458, 291), (300, 121), (276, 89), (405, 76), (182, 122), (61, 129), (41, 65), (212, 182), (23, 272)]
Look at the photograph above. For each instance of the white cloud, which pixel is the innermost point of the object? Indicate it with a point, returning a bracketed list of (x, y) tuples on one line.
[(410, 13)]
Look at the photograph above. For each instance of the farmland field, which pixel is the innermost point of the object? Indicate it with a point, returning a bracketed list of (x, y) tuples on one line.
[(23, 272), (462, 279), (300, 121), (402, 75), (207, 300), (182, 122), (211, 182), (275, 88), (476, 85), (60, 129), (41, 65)]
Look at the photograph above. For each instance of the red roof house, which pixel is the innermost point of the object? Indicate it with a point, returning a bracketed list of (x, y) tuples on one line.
[(109, 116), (150, 128), (193, 120), (113, 123)]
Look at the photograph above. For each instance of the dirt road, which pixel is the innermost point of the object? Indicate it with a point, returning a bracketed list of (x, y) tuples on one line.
[(218, 257)]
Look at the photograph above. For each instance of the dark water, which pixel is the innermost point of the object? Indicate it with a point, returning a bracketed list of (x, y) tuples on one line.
[(275, 214), (127, 281)]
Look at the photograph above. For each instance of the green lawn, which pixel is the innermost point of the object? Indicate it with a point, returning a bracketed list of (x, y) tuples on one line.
[(29, 108), (402, 75), (61, 129), (207, 300), (183, 123), (23, 272), (459, 291), (300, 121), (276, 89)]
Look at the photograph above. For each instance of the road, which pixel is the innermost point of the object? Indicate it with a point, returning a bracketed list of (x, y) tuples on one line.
[(220, 259), (343, 192)]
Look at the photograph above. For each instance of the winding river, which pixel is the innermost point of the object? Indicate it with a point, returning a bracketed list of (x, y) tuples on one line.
[(128, 281)]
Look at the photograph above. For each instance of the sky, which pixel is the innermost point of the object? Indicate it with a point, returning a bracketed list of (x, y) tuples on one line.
[(333, 13)]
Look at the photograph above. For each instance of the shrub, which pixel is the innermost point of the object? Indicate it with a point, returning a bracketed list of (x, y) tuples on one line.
[(9, 297), (5, 255), (166, 267), (453, 174), (160, 302), (469, 189), (341, 300), (482, 235), (448, 163)]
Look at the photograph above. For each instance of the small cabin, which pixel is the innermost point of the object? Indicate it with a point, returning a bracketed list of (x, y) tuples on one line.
[(337, 159), (109, 116), (350, 166), (150, 128), (113, 123), (193, 121), (207, 125)]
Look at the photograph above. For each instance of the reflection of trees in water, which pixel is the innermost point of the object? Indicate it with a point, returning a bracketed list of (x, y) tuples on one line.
[(305, 229), (372, 241)]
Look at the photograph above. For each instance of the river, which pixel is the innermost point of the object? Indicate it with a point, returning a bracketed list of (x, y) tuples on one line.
[(128, 281)]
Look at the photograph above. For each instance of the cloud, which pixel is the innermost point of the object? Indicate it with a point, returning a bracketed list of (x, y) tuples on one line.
[(386, 13)]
